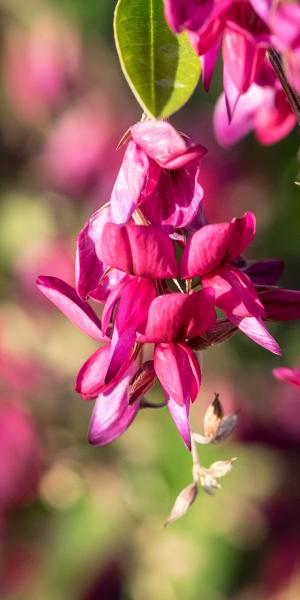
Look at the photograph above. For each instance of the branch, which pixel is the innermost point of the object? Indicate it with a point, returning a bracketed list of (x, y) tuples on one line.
[(294, 100)]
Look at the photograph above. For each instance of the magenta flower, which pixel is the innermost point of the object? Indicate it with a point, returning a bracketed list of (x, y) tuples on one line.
[(263, 109), (235, 26), (144, 251), (245, 30), (291, 376), (159, 175), (209, 254), (89, 269)]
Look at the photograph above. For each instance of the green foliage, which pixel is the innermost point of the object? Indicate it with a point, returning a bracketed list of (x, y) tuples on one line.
[(161, 68)]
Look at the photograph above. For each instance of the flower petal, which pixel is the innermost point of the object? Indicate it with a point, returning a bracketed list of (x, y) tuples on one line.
[(236, 296), (178, 371), (68, 301), (176, 199), (180, 416), (137, 173), (112, 413), (265, 272), (90, 379), (287, 375), (214, 245), (165, 145), (177, 316), (140, 250), (187, 14), (280, 304)]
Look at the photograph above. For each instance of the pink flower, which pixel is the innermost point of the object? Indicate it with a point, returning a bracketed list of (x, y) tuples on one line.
[(159, 174), (41, 64), (209, 254), (291, 376), (244, 37), (264, 108)]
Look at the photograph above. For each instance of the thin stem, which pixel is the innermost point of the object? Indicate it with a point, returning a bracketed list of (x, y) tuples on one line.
[(178, 285), (146, 404), (294, 100), (194, 450)]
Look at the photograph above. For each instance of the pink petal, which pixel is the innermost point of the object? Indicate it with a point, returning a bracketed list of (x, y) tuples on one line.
[(205, 250), (112, 413), (235, 293), (287, 375), (177, 316), (242, 232), (262, 8), (165, 145), (243, 121), (280, 304), (213, 245), (140, 250), (265, 272), (180, 416), (208, 61), (136, 174), (177, 369), (90, 379), (236, 296), (242, 57), (187, 14), (89, 269), (255, 329), (121, 352), (176, 199), (67, 300), (275, 119)]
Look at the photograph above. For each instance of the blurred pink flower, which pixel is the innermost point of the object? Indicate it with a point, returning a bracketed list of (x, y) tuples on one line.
[(76, 152), (20, 456), (264, 108), (41, 63), (291, 376)]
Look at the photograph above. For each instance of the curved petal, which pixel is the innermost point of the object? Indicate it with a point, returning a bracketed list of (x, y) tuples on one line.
[(236, 296), (178, 371), (90, 379), (244, 117), (187, 14), (112, 413), (287, 375), (165, 145), (265, 272), (137, 173), (214, 245), (89, 268), (176, 199), (68, 301), (280, 304), (180, 416), (177, 316), (140, 250)]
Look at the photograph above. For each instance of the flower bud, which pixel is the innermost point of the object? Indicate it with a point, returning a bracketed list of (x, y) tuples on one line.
[(182, 503)]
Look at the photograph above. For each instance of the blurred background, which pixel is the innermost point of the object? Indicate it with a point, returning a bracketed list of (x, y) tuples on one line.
[(83, 523)]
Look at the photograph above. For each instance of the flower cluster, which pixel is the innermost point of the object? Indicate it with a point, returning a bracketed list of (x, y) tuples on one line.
[(245, 31), (159, 270)]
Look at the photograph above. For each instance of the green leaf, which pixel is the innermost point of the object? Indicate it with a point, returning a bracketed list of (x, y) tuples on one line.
[(161, 68)]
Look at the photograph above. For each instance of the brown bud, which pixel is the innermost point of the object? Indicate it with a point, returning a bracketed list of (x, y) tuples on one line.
[(226, 427), (212, 418), (220, 468), (142, 381), (182, 503)]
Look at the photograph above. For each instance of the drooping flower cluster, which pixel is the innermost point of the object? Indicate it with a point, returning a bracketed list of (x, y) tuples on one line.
[(245, 30), (160, 271)]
